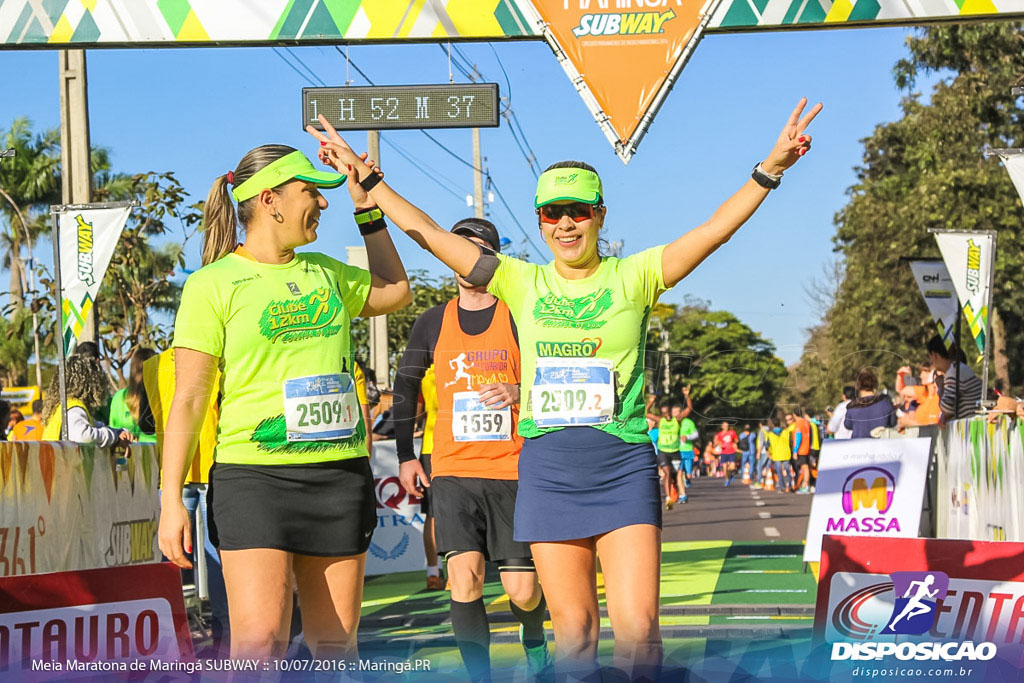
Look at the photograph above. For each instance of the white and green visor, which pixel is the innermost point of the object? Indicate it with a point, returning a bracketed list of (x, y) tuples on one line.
[(292, 165), (568, 184)]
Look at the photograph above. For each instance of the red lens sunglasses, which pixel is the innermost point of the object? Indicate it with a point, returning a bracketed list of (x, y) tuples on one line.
[(577, 211)]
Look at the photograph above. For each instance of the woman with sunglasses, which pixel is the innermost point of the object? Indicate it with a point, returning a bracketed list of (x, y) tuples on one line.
[(587, 478), (291, 490)]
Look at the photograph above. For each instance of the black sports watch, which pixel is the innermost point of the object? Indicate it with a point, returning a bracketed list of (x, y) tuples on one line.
[(765, 179)]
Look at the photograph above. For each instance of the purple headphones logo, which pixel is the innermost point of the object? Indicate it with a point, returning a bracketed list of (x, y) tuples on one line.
[(868, 487)]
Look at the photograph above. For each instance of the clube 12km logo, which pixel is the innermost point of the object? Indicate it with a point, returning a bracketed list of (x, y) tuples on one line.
[(913, 613)]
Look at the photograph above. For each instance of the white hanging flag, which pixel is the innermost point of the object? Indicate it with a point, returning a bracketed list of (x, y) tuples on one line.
[(1014, 163), (86, 244), (969, 257), (936, 287)]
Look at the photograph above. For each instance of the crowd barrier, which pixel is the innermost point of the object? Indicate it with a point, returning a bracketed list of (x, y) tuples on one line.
[(67, 506), (979, 480)]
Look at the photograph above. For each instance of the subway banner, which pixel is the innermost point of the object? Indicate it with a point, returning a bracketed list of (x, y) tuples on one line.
[(86, 239), (66, 506), (867, 487), (121, 623), (970, 258), (928, 608)]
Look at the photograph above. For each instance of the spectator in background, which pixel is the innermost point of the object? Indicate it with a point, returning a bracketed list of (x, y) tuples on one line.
[(383, 417), (870, 410), (800, 441), (920, 397), (837, 425), (5, 417), (30, 429), (129, 407), (88, 389), (14, 418), (958, 400), (748, 447), (778, 448), (763, 456)]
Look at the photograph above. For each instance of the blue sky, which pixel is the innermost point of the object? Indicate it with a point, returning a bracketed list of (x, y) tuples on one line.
[(197, 111)]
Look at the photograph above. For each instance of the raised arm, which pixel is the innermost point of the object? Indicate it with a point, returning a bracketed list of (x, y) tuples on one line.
[(687, 252), (456, 252)]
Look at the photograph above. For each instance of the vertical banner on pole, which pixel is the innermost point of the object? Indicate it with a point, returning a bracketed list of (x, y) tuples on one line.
[(87, 237), (969, 257), (932, 278)]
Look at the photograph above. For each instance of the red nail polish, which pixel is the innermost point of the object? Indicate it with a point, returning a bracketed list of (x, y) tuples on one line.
[(323, 143), (802, 138), (349, 166)]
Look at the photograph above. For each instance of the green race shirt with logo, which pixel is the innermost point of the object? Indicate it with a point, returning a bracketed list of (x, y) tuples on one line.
[(668, 435), (687, 429), (270, 323), (603, 316)]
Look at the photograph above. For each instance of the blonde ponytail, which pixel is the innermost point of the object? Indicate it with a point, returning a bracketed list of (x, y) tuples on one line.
[(220, 233), (220, 222)]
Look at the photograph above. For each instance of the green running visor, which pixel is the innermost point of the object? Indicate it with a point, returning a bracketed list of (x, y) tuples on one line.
[(568, 184), (291, 165)]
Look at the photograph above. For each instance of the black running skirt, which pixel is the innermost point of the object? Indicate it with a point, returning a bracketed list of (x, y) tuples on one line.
[(322, 509)]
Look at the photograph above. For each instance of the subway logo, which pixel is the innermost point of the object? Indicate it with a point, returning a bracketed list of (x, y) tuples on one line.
[(627, 24)]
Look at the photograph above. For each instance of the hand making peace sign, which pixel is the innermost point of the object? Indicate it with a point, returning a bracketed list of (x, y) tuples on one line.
[(793, 143), (337, 154)]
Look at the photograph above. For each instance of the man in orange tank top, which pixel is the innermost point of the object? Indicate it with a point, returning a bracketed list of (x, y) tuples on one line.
[(472, 345)]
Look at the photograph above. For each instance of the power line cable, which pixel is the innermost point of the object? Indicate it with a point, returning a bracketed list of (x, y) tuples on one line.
[(294, 68)]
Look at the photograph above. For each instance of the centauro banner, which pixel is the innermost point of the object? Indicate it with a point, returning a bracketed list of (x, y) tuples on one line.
[(87, 241), (936, 287), (970, 256)]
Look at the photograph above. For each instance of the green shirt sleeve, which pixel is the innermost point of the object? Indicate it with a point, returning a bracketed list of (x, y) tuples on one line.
[(199, 324), (507, 283), (353, 285), (645, 269)]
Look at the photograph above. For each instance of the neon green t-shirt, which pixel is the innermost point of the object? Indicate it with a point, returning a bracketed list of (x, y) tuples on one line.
[(269, 324), (603, 316), (668, 435), (687, 435)]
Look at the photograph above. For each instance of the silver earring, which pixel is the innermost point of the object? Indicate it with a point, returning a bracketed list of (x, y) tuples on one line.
[(278, 217)]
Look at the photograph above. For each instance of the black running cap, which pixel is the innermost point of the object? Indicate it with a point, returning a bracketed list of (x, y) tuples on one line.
[(479, 227)]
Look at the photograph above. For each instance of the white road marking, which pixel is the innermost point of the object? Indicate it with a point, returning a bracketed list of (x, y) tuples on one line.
[(771, 531), (759, 503), (764, 515)]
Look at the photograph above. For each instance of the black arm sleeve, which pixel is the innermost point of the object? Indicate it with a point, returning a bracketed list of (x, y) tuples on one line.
[(417, 357)]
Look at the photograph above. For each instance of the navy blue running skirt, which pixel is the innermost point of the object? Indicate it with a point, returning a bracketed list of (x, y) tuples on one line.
[(580, 482)]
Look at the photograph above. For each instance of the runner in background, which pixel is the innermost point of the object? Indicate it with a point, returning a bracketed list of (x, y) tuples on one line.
[(428, 392), (801, 445), (291, 490), (470, 343), (781, 453), (668, 450), (763, 455), (688, 434), (665, 475), (726, 440), (815, 451), (588, 482), (747, 446)]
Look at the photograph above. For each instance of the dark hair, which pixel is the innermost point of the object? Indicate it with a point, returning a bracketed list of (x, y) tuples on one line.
[(849, 392), (136, 385), (37, 405), (677, 405), (220, 223), (938, 347), (867, 380)]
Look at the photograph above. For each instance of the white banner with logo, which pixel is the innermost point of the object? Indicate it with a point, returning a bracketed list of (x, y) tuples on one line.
[(867, 487), (397, 544), (87, 241), (1013, 161), (66, 506), (936, 287), (969, 257)]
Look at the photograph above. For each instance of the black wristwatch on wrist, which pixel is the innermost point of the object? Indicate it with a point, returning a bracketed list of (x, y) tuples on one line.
[(766, 180)]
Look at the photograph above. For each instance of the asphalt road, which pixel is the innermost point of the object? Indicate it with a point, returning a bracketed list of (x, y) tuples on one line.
[(738, 512)]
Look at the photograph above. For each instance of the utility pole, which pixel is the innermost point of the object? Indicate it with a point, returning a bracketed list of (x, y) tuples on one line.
[(379, 359), (76, 170), (478, 176)]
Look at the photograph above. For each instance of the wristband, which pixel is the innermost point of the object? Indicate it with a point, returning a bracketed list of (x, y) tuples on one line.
[(372, 226), (766, 180), (370, 181), (364, 216)]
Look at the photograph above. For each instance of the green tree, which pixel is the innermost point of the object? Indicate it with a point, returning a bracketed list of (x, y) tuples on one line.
[(924, 171), (138, 285), (732, 370)]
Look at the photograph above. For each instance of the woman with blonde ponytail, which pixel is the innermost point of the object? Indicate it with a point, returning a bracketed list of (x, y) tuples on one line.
[(291, 491)]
